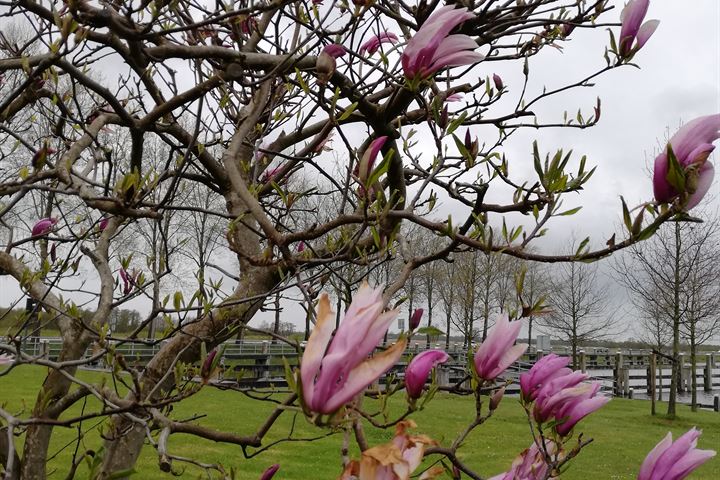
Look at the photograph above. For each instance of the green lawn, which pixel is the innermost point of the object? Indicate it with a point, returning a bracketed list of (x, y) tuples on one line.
[(623, 431)]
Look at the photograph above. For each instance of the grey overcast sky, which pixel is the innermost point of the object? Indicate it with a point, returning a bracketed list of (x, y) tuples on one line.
[(679, 79)]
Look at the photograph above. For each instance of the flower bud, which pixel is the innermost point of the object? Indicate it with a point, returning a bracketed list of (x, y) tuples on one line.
[(416, 373), (270, 472), (415, 318), (498, 81), (207, 367), (443, 120), (325, 65), (496, 398)]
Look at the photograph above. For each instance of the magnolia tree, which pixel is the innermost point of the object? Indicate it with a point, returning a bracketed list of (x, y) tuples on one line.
[(133, 132)]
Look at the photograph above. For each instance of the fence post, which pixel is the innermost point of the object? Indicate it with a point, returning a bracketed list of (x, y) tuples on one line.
[(617, 374), (707, 373), (538, 355), (716, 403), (626, 381), (683, 383), (583, 361)]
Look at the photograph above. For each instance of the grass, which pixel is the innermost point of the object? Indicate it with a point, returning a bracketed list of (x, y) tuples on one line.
[(623, 431)]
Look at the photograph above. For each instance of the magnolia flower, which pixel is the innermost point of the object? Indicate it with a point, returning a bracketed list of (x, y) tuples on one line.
[(335, 369), (455, 97), (270, 472), (497, 80), (631, 17), (551, 394), (674, 460), (270, 174), (415, 318), (497, 352), (43, 226), (691, 145), (546, 369), (365, 166), (208, 365), (432, 48), (530, 464), (127, 285), (102, 225), (326, 64), (373, 44), (578, 408), (417, 371), (569, 405), (395, 460)]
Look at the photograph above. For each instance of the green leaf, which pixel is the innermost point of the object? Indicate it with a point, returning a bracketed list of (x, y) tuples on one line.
[(626, 215), (456, 122), (572, 211), (349, 111), (676, 173), (177, 300)]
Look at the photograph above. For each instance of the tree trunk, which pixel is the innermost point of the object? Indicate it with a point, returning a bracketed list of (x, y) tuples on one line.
[(276, 326), (124, 438), (676, 328), (693, 367), (530, 322), (430, 309)]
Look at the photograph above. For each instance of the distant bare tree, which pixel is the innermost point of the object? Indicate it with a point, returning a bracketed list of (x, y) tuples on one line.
[(673, 279), (578, 307)]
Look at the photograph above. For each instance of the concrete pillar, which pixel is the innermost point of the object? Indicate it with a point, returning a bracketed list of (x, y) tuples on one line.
[(707, 373), (45, 349), (626, 381), (443, 376), (618, 375), (583, 361)]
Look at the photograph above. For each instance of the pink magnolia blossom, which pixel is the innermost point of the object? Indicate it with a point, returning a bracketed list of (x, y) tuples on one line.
[(270, 472), (497, 80), (580, 407), (270, 174), (551, 395), (674, 460), (326, 62), (335, 369), (433, 48), (127, 285), (530, 464), (497, 352), (546, 369), (631, 17), (365, 166), (569, 405), (455, 97), (43, 226), (373, 44), (692, 145), (6, 358), (417, 371), (102, 225), (415, 318)]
